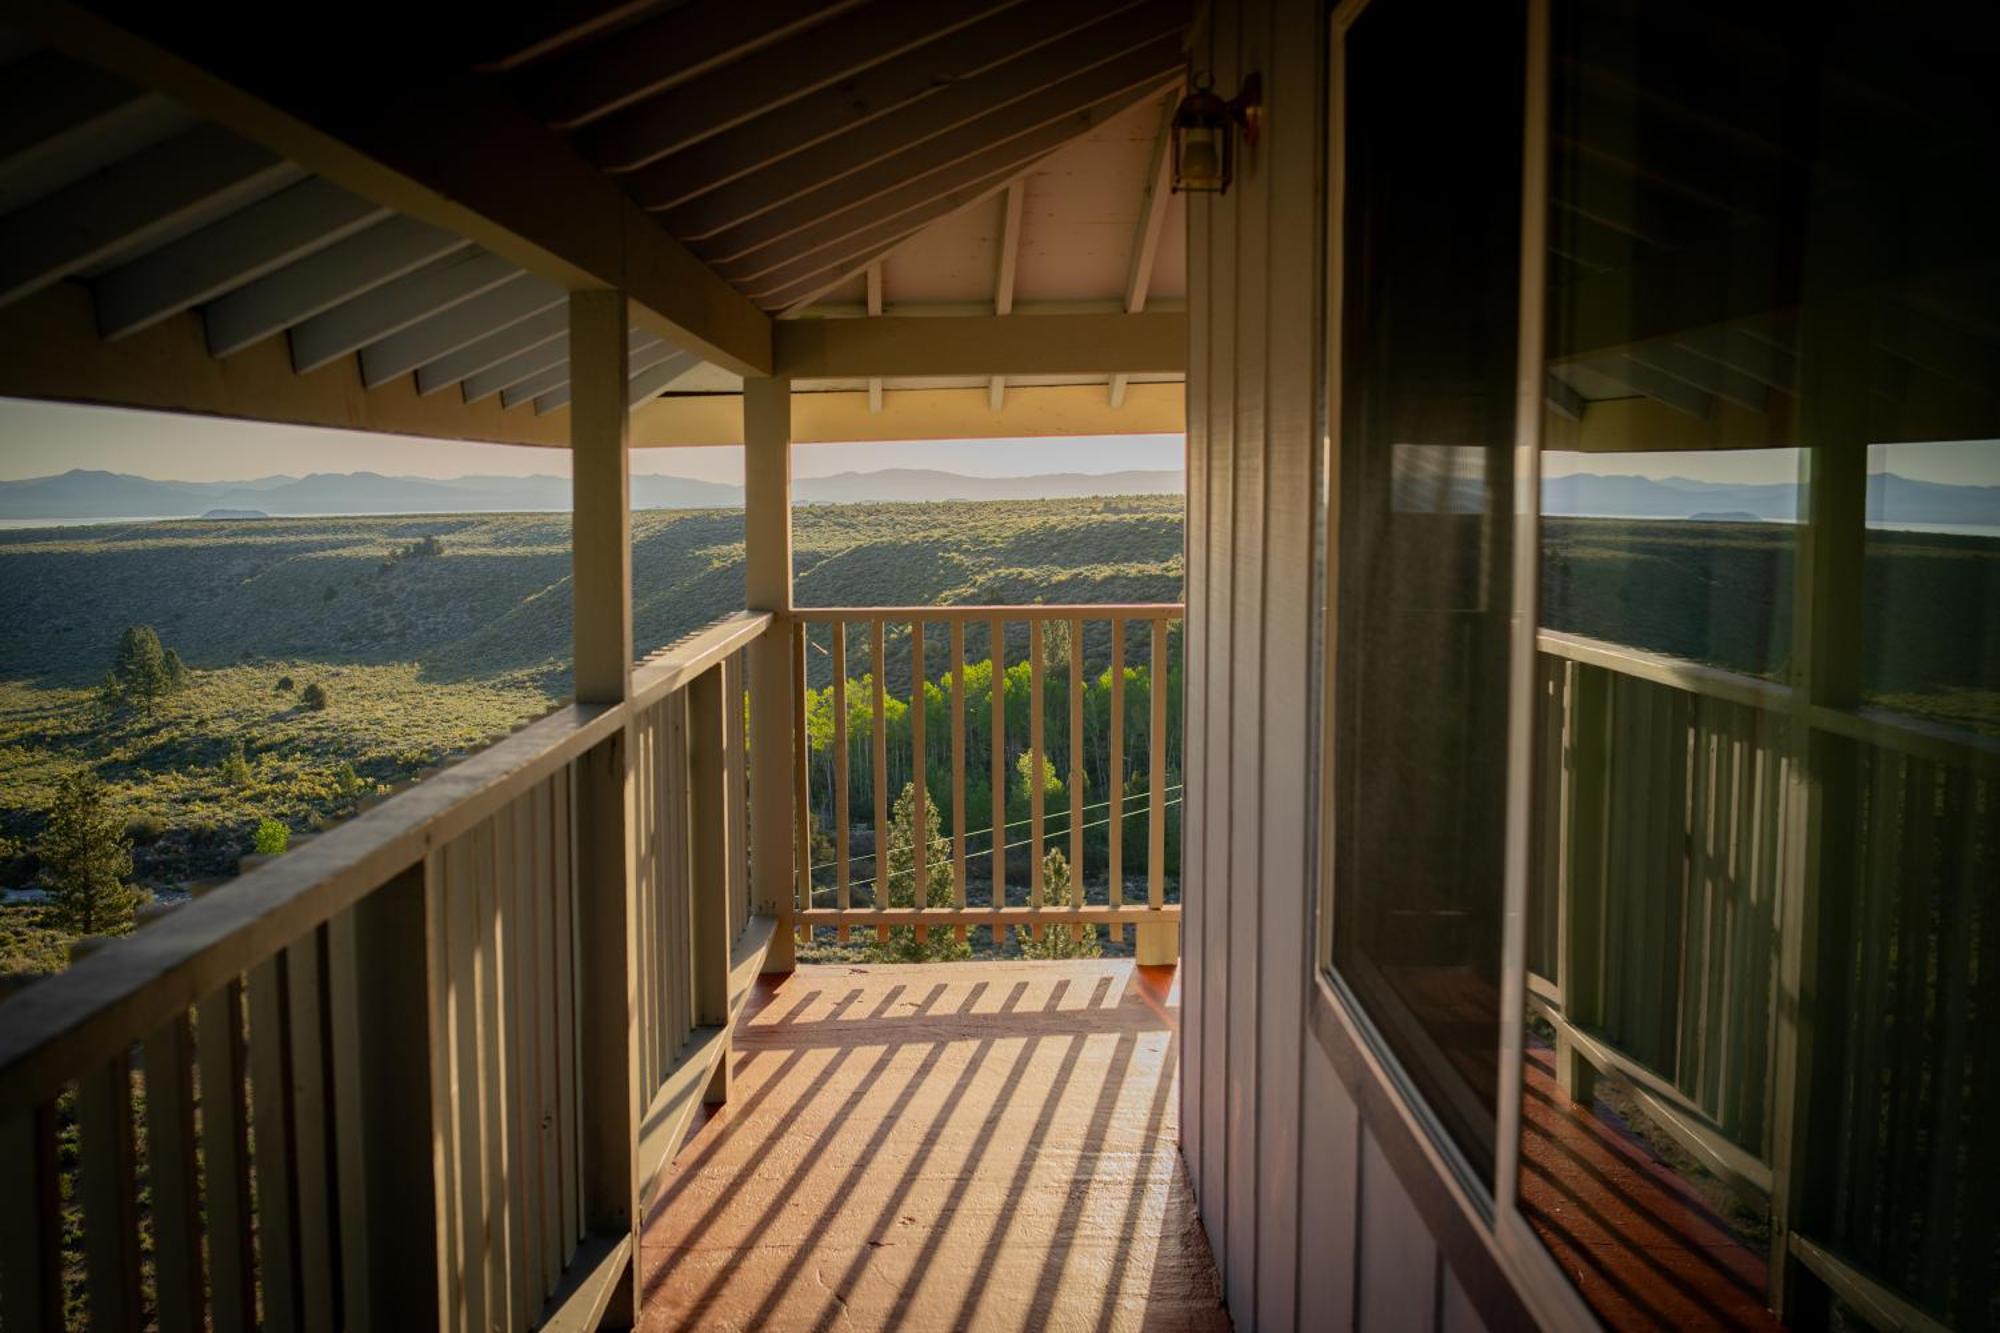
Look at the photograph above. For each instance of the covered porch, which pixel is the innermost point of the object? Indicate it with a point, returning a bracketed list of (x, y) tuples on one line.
[(525, 1044)]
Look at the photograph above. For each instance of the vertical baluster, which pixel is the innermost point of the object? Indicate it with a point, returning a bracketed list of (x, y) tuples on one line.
[(518, 1076), (958, 769), (1115, 851), (840, 777), (440, 994), (876, 625), (1076, 768), (801, 774), (461, 930), (270, 1097), (311, 1132), (736, 808), (1035, 795), (170, 1174), (548, 1081), (31, 1295), (494, 1163), (919, 825), (525, 987), (1157, 940), (108, 1187), (569, 1057), (709, 851), (998, 892)]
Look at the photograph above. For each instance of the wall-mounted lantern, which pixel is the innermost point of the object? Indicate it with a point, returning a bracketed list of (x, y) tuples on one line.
[(1204, 134)]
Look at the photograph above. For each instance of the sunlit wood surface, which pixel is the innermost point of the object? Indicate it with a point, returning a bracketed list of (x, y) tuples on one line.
[(971, 1145)]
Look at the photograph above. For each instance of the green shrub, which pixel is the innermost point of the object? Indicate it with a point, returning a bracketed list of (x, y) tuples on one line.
[(85, 858), (314, 697), (145, 829), (284, 684), (142, 672), (271, 838), (346, 782), (236, 767)]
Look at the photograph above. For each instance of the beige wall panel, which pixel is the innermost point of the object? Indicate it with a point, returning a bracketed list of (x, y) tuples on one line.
[(1219, 919), (923, 414), (1293, 152), (1248, 895), (1399, 1260)]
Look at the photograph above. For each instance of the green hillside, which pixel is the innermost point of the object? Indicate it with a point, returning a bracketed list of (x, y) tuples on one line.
[(428, 649)]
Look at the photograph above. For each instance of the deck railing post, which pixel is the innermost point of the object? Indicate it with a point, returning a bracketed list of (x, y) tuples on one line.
[(1580, 894), (1158, 942), (601, 554), (767, 539)]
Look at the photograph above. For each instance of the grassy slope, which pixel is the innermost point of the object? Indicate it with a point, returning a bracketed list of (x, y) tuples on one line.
[(423, 657)]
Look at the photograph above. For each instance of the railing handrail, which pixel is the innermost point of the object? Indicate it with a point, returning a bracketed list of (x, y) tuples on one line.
[(667, 669), (1680, 673), (821, 615), (63, 1025), (1936, 741)]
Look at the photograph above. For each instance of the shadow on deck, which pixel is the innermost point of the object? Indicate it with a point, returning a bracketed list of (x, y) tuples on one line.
[(971, 1145)]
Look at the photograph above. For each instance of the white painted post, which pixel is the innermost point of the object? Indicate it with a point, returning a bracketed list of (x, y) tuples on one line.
[(767, 542), (607, 883)]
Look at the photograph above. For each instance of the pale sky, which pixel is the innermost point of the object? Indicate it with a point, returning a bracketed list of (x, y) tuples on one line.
[(1953, 463), (40, 439)]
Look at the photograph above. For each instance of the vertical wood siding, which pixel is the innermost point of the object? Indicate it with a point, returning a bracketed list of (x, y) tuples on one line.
[(1311, 1229)]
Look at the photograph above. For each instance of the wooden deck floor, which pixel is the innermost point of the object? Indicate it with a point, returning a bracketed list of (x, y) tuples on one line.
[(973, 1145)]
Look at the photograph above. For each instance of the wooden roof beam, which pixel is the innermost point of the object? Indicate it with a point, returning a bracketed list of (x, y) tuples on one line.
[(1069, 111), (151, 195), (1152, 220), (443, 147), (1009, 99), (347, 269), (898, 346), (1003, 286), (875, 309), (509, 303), (289, 225), (548, 389), (659, 53), (354, 324), (490, 351), (803, 63), (926, 90)]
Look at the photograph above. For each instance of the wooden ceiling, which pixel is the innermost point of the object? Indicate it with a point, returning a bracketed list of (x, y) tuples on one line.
[(789, 153)]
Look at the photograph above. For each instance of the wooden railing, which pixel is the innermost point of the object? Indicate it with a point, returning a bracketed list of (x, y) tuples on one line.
[(422, 1071), (1673, 911), (1112, 653)]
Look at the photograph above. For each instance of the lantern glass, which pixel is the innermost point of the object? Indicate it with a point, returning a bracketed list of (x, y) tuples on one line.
[(1202, 153)]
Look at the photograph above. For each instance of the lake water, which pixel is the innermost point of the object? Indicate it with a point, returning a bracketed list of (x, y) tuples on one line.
[(9, 524)]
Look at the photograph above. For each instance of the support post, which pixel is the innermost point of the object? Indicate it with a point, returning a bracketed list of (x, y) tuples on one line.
[(601, 564), (1818, 897), (708, 825), (767, 540)]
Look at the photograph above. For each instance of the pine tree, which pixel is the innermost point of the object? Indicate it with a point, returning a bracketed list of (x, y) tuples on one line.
[(1059, 941), (140, 667), (87, 856), (902, 946)]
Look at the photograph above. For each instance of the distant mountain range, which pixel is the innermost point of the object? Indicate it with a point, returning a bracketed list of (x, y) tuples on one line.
[(1891, 499), (82, 494)]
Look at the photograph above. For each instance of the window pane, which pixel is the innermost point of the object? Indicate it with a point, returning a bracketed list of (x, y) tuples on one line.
[(1764, 914), (1431, 249)]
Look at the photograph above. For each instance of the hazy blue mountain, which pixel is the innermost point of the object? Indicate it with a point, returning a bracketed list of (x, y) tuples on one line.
[(904, 483), (1891, 499), (86, 494)]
